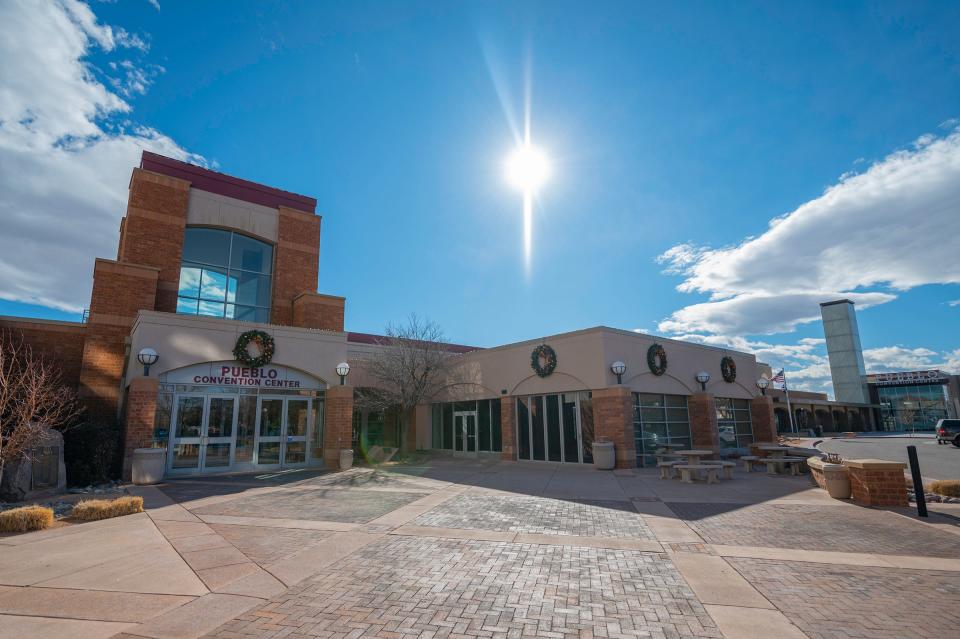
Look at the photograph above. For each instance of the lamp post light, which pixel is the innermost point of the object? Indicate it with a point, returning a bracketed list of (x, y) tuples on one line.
[(343, 369), (703, 377), (147, 356), (762, 384), (618, 368)]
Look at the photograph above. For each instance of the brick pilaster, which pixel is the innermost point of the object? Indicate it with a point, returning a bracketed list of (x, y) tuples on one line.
[(120, 290), (763, 420), (297, 262), (703, 422), (337, 424), (313, 310), (152, 231), (613, 420), (141, 408), (508, 427)]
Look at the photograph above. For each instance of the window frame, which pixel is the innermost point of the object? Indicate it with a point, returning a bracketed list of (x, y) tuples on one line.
[(229, 308)]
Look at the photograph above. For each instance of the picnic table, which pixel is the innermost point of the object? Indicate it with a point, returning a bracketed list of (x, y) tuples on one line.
[(774, 464), (693, 455), (775, 451)]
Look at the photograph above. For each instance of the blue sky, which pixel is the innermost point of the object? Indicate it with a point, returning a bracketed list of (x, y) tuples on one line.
[(675, 130)]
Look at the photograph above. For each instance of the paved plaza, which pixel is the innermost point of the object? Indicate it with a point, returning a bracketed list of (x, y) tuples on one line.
[(484, 550)]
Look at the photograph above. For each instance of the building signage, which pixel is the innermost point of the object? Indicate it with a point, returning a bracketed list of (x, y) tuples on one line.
[(909, 378), (233, 374)]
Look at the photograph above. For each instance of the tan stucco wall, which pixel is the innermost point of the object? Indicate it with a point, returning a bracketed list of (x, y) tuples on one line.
[(183, 340), (211, 209), (583, 363)]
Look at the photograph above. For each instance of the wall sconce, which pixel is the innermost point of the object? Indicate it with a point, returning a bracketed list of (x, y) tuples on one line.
[(703, 377), (762, 384), (618, 368), (147, 356), (343, 369)]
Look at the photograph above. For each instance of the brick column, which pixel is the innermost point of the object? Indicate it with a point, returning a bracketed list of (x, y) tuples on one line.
[(141, 408), (703, 422), (875, 482), (508, 427), (119, 291), (297, 261), (337, 424), (613, 420), (313, 310), (763, 420)]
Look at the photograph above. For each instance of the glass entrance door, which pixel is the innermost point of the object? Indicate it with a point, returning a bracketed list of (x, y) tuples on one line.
[(203, 433), (282, 431), (465, 430)]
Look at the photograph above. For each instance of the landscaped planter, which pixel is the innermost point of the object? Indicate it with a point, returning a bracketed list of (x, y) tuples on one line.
[(148, 465), (833, 478), (604, 456)]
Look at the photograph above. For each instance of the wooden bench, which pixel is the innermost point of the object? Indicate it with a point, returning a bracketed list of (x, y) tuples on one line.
[(666, 468), (687, 470), (749, 461), (727, 467)]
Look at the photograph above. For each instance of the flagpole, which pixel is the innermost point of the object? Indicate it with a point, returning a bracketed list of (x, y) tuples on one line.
[(786, 389)]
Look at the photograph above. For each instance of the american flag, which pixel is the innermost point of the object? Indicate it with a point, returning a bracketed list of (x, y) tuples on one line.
[(780, 380)]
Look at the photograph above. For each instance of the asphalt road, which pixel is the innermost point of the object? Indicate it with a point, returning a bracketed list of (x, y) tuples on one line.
[(936, 462)]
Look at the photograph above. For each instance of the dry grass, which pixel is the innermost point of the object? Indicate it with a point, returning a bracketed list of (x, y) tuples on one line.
[(26, 518), (93, 509), (946, 487)]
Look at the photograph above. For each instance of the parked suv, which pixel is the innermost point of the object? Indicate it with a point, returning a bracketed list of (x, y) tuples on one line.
[(948, 431)]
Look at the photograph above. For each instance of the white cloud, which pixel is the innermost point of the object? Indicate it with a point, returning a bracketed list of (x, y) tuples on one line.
[(864, 238), (65, 159), (953, 303)]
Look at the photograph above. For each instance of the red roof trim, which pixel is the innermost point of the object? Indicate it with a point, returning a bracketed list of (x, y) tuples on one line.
[(223, 184), (369, 338)]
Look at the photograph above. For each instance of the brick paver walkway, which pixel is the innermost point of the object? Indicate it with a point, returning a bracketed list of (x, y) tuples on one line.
[(423, 587), (836, 528), (266, 545), (538, 515), (829, 602), (352, 506)]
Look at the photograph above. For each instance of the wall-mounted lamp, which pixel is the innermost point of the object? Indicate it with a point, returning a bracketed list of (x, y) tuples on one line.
[(147, 356), (703, 377), (618, 368), (343, 369), (762, 384)]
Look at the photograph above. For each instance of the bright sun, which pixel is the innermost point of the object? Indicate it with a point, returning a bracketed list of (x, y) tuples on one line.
[(527, 168)]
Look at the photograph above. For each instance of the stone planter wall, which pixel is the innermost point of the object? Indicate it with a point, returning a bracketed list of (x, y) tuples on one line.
[(876, 482)]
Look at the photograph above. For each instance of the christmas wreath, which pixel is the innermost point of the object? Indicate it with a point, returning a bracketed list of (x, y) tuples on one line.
[(657, 359), (728, 368), (543, 360), (264, 345)]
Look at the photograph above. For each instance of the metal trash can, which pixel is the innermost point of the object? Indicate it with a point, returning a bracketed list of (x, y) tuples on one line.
[(346, 458), (604, 456), (148, 465)]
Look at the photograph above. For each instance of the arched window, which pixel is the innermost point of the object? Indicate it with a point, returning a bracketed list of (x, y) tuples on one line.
[(225, 274)]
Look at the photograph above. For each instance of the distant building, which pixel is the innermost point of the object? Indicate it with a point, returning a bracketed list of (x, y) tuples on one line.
[(914, 400)]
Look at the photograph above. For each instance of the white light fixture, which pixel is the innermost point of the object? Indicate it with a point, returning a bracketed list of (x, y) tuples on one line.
[(147, 356), (703, 377), (618, 368), (343, 369), (763, 383)]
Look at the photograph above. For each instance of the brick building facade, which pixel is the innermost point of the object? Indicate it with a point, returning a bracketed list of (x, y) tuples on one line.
[(203, 258)]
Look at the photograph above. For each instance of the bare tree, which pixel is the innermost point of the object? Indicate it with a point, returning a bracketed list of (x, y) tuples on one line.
[(33, 397), (412, 365)]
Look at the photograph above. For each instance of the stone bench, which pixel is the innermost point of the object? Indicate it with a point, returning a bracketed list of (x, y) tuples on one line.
[(793, 463), (725, 465), (749, 461), (687, 470), (666, 468)]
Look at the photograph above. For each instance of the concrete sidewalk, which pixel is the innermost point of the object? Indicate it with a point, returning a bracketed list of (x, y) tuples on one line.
[(485, 549)]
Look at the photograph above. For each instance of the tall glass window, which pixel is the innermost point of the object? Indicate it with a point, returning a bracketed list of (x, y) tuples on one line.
[(733, 422), (445, 436), (917, 407), (225, 274), (658, 420)]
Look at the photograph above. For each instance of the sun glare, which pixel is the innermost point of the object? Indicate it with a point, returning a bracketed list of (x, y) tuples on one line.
[(527, 168)]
